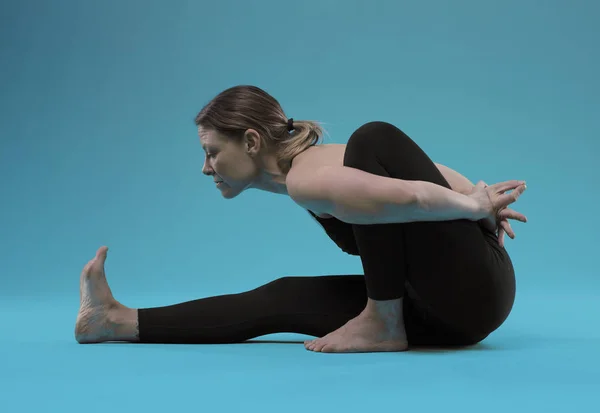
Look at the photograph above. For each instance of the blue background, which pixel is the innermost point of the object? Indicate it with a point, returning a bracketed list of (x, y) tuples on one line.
[(98, 147)]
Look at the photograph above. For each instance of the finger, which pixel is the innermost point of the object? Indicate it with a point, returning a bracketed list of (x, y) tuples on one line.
[(507, 185), (505, 227), (501, 237), (507, 199), (508, 213)]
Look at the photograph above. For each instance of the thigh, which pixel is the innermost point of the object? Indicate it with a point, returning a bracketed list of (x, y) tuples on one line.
[(450, 268), (314, 305), (323, 294), (424, 329)]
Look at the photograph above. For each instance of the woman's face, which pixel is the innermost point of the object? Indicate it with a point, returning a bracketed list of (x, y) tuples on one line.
[(231, 165)]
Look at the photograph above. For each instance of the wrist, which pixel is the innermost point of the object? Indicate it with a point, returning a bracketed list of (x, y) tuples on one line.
[(477, 210), (439, 203)]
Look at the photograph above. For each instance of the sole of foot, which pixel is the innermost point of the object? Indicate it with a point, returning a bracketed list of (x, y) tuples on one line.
[(98, 308)]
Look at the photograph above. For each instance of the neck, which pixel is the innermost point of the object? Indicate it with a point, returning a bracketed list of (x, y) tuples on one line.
[(272, 178)]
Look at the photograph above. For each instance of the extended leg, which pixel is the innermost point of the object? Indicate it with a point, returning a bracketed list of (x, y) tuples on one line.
[(303, 305)]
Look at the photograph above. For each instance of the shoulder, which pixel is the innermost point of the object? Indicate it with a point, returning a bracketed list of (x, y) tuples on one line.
[(304, 187), (306, 180)]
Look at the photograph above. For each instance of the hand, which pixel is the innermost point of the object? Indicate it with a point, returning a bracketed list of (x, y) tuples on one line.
[(494, 202)]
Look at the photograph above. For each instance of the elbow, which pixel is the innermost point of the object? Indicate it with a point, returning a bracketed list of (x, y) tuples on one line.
[(418, 200), (406, 205)]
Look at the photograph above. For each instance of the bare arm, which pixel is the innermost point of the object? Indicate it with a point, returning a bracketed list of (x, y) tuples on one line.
[(457, 182), (358, 197)]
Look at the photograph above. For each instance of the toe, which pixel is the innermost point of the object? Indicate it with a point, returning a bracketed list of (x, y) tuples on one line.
[(87, 267), (319, 346), (101, 255), (101, 252)]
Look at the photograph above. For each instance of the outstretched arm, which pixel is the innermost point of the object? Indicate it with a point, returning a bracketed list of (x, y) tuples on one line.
[(358, 197)]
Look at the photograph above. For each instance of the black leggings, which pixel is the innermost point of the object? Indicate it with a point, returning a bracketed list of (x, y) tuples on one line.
[(457, 283)]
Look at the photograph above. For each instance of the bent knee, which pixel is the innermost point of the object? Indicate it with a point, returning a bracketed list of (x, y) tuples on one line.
[(374, 131), (372, 138)]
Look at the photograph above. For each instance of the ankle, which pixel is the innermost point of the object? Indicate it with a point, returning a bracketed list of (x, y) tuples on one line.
[(387, 308), (388, 311), (124, 323)]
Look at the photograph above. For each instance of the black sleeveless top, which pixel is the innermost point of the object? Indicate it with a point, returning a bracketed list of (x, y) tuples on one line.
[(340, 232)]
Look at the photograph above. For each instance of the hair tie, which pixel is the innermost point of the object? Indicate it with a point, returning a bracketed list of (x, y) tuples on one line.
[(290, 124)]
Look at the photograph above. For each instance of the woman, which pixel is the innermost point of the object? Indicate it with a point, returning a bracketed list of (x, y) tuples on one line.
[(430, 242)]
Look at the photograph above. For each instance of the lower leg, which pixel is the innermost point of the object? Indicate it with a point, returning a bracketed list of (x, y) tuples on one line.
[(304, 305), (380, 325)]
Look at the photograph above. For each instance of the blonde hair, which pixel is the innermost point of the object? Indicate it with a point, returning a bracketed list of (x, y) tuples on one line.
[(243, 107)]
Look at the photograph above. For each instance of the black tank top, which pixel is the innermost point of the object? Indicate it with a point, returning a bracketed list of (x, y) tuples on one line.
[(340, 232)]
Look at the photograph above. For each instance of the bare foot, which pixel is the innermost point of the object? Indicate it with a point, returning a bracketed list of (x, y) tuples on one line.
[(100, 315), (372, 330)]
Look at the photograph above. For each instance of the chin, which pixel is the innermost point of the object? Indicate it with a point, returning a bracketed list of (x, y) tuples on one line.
[(230, 193)]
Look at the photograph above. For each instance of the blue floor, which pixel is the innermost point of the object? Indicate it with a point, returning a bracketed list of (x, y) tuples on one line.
[(545, 358)]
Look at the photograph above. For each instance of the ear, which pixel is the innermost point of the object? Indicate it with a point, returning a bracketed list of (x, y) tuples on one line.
[(252, 143)]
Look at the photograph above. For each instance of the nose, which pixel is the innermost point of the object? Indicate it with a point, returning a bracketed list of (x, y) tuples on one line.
[(206, 170)]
